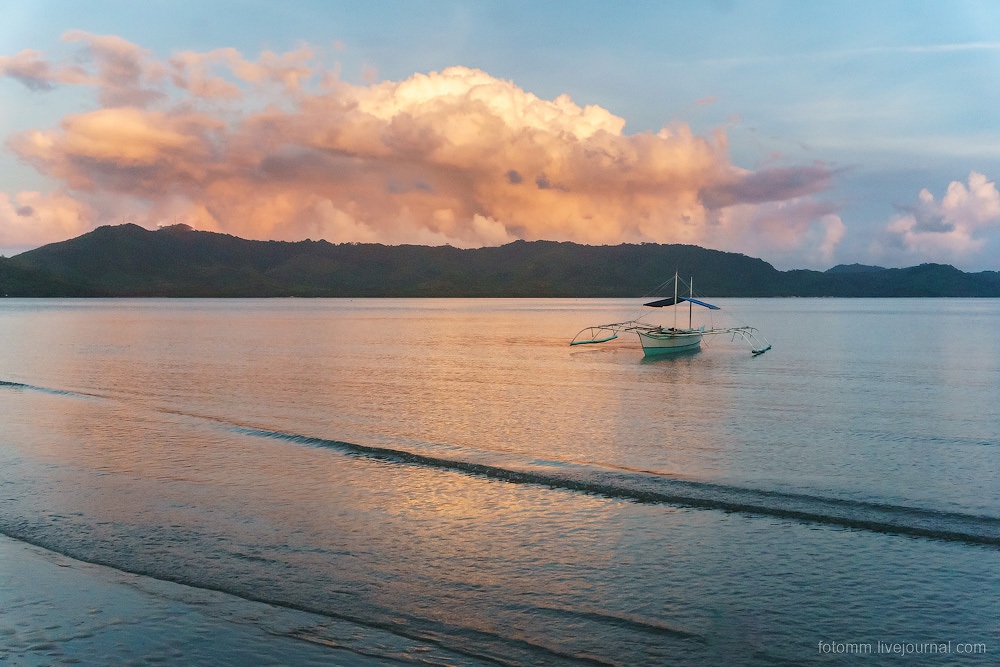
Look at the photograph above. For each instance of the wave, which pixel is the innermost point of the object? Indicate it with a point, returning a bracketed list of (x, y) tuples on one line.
[(647, 487), (651, 488), (44, 390), (629, 622), (390, 635)]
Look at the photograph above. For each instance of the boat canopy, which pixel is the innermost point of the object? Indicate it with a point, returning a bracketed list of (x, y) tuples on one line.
[(669, 301)]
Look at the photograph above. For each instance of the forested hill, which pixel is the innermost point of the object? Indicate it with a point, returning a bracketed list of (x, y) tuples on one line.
[(177, 261)]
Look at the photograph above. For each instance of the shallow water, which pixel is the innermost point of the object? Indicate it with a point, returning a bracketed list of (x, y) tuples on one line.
[(453, 472)]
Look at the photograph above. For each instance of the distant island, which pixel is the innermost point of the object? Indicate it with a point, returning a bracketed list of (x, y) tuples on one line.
[(177, 261)]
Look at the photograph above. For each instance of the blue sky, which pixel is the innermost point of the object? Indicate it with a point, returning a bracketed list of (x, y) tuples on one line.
[(823, 133)]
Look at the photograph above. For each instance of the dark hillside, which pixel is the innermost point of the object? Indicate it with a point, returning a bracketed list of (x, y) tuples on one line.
[(18, 280), (177, 261)]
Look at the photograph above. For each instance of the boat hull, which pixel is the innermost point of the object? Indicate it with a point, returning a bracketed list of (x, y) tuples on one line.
[(669, 342)]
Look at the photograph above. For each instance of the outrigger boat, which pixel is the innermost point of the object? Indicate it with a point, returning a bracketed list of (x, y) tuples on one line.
[(658, 340)]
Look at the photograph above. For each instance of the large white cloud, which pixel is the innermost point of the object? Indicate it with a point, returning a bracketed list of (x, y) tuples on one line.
[(277, 148)]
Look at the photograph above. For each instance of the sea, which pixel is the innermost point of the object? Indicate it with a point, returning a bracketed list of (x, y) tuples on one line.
[(449, 482)]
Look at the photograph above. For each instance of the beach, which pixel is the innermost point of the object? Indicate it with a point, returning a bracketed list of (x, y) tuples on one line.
[(58, 610)]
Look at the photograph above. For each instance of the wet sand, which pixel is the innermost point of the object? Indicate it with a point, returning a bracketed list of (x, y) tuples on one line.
[(57, 610)]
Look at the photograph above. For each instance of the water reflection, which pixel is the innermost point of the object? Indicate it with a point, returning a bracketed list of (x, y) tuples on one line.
[(148, 471), (675, 357)]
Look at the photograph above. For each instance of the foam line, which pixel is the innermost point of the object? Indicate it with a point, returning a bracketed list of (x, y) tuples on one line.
[(648, 488)]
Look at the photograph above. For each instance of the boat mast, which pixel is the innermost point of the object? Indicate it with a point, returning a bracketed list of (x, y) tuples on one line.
[(675, 300), (691, 305)]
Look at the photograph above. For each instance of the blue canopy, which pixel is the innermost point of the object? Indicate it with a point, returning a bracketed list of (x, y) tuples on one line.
[(669, 301)]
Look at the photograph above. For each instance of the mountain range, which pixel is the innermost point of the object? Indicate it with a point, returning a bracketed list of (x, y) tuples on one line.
[(177, 261)]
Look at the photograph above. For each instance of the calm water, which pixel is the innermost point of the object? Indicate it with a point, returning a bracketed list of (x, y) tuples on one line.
[(454, 473)]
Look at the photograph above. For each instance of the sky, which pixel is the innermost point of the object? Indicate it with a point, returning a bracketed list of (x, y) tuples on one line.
[(806, 134)]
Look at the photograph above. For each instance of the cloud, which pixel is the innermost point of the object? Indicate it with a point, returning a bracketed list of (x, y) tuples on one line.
[(34, 218), (963, 226), (767, 185), (278, 148), (125, 73), (30, 68), (800, 232)]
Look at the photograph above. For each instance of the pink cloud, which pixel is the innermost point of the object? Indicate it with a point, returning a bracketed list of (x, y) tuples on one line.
[(456, 156), (126, 74), (33, 218), (800, 231), (31, 69), (958, 227)]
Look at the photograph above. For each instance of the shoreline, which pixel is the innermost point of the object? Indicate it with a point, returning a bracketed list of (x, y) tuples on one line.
[(56, 609)]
